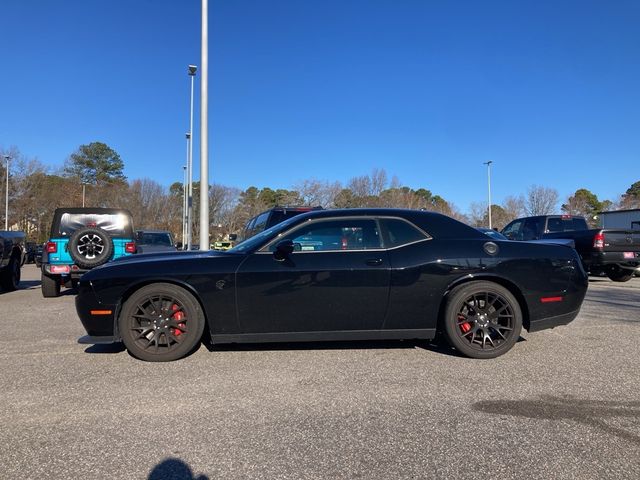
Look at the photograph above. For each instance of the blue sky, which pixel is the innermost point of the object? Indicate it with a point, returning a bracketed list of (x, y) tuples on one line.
[(427, 90)]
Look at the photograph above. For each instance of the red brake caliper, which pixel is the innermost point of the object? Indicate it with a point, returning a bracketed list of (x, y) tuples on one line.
[(465, 326), (177, 316)]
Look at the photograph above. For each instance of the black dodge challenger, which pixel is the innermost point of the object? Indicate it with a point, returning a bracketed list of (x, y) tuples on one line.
[(328, 275)]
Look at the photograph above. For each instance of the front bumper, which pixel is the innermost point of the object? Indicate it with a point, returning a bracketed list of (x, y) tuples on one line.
[(98, 319)]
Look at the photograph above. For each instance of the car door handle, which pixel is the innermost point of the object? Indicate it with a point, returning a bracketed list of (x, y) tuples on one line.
[(374, 262)]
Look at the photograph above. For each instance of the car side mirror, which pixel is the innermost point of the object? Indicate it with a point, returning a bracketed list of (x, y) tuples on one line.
[(233, 237), (509, 235), (284, 248)]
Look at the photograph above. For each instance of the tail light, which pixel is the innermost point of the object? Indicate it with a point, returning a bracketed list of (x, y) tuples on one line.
[(52, 247), (598, 240), (130, 247)]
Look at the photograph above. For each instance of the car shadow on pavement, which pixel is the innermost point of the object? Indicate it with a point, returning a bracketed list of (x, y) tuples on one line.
[(106, 348), (173, 469), (429, 345), (592, 413), (29, 284), (335, 345)]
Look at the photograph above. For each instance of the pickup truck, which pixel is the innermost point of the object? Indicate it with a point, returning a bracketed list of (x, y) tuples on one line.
[(12, 255), (613, 252)]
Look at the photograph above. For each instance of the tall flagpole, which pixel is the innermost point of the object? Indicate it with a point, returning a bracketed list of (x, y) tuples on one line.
[(204, 131)]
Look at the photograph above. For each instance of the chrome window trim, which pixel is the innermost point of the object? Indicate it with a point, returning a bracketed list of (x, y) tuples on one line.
[(375, 219)]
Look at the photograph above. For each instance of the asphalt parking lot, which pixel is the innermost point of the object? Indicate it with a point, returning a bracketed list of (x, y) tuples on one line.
[(564, 403)]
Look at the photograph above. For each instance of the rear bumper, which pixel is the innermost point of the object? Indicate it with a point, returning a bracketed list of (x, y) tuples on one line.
[(551, 322), (601, 260), (74, 272)]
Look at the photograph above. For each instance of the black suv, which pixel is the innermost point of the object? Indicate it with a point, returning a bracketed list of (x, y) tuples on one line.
[(271, 217)]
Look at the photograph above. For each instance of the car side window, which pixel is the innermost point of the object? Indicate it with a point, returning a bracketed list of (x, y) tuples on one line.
[(334, 235), (530, 229), (398, 232), (513, 231)]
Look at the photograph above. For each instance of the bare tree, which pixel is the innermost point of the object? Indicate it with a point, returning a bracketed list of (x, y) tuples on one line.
[(541, 200), (318, 192), (513, 207), (477, 214)]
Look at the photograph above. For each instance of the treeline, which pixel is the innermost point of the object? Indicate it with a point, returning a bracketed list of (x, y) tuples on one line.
[(94, 173)]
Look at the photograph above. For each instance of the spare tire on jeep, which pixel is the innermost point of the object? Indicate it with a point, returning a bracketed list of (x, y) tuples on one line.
[(90, 247)]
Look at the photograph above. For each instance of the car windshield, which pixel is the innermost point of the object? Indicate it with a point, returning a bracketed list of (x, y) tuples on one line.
[(259, 239), (147, 238), (114, 224)]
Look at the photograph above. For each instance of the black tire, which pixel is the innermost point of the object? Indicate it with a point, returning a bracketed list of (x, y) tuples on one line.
[(149, 327), (620, 274), (482, 319), (90, 247), (50, 286), (10, 276)]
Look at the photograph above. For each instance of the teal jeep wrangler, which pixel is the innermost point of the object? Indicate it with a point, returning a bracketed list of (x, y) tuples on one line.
[(82, 239)]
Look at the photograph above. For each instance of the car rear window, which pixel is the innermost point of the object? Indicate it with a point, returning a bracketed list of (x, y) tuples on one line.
[(400, 232), (116, 225), (560, 224)]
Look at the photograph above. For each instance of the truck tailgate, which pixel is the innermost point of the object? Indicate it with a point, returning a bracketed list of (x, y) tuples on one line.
[(621, 241)]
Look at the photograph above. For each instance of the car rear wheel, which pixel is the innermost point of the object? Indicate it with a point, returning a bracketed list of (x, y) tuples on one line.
[(10, 277), (90, 247), (618, 274), (50, 286), (482, 319), (161, 322)]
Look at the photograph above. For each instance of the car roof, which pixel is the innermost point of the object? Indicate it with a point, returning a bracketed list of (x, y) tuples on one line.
[(91, 210), (434, 223)]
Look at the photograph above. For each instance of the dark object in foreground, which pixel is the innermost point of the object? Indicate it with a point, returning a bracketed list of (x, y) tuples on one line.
[(337, 275), (12, 256)]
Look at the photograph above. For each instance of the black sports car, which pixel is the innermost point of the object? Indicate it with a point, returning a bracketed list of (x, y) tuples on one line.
[(336, 275)]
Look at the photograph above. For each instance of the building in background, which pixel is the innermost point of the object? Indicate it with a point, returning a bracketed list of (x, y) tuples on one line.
[(621, 219)]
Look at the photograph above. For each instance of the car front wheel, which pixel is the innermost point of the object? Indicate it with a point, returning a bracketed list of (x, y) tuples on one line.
[(161, 322), (482, 319)]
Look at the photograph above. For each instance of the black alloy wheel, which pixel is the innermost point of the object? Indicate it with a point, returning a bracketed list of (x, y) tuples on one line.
[(482, 319), (161, 322), (90, 247)]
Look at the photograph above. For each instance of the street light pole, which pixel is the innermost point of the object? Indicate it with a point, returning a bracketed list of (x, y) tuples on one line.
[(6, 197), (488, 164), (184, 200), (192, 73), (204, 130), (83, 193)]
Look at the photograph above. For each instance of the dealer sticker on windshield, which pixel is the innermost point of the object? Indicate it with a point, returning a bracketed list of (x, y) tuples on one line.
[(629, 255)]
